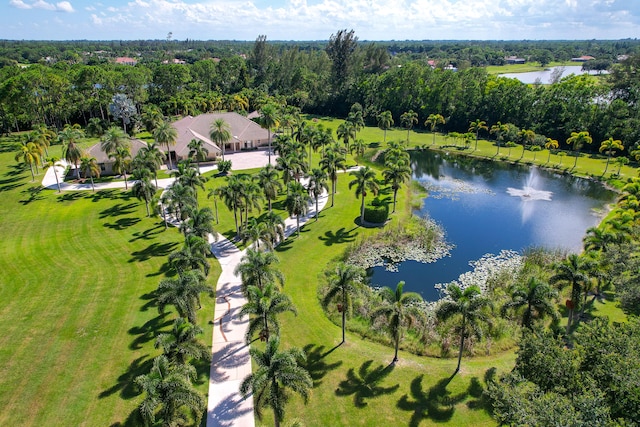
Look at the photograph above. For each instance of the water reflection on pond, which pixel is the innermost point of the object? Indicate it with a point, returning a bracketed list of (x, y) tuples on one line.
[(485, 207)]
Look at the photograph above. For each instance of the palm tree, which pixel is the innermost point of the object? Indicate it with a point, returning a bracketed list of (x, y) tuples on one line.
[(29, 153), (168, 390), (609, 146), (53, 162), (200, 223), (269, 120), (364, 179), (275, 225), (317, 185), (198, 151), (538, 298), (385, 121), (621, 161), (220, 133), (469, 305), (573, 270), (189, 176), (89, 166), (183, 293), (534, 149), (292, 165), (70, 137), (232, 194), (252, 197), (264, 304), (330, 163), (551, 144), (182, 344), (166, 134), (297, 202), (192, 256), (476, 126), (343, 282), (358, 147), (257, 268), (180, 200), (396, 174), (271, 185), (598, 239), (121, 162), (143, 189), (257, 231), (113, 139), (276, 372), (577, 140), (499, 130), (397, 310), (433, 121), (355, 118), (346, 132), (152, 157), (408, 120)]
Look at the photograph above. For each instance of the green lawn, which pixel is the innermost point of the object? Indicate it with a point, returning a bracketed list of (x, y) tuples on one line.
[(523, 68)]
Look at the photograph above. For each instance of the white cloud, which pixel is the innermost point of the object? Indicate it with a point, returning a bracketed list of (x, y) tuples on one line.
[(19, 4), (64, 6), (40, 4)]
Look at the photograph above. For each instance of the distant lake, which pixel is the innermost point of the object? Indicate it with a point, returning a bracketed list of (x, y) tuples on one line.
[(485, 207), (544, 76)]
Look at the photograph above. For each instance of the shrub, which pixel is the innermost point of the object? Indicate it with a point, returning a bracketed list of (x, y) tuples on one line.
[(376, 212), (224, 166)]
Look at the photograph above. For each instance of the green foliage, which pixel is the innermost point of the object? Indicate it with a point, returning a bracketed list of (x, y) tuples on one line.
[(376, 213), (224, 166)]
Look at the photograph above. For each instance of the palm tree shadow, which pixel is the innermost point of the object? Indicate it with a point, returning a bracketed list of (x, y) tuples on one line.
[(34, 194), (436, 404), (341, 236), (70, 197), (148, 331), (315, 363), (125, 382), (153, 250), (363, 385)]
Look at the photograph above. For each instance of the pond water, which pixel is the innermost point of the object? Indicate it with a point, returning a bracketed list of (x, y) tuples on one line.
[(547, 76), (485, 207)]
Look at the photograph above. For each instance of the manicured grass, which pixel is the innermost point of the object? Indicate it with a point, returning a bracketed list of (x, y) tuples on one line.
[(76, 310), (523, 68)]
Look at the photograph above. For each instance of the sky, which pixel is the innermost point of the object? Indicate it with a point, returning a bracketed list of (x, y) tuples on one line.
[(318, 19)]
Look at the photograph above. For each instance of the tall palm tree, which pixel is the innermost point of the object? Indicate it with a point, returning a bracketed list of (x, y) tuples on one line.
[(538, 299), (598, 239), (469, 305), (192, 256), (346, 132), (121, 162), (89, 167), (143, 189), (396, 174), (343, 280), (356, 118), (180, 200), (292, 165), (181, 344), (271, 185), (476, 126), (189, 176), (168, 389), (317, 185), (200, 223), (499, 130), (397, 310), (29, 153), (52, 162), (70, 136), (269, 119), (275, 225), (364, 179), (433, 120), (573, 270), (333, 160), (252, 197), (297, 202), (166, 134), (220, 133), (113, 139), (263, 305), (257, 268), (609, 146), (408, 120), (551, 144), (577, 140), (183, 293), (232, 194), (197, 151), (385, 121), (151, 157), (257, 231)]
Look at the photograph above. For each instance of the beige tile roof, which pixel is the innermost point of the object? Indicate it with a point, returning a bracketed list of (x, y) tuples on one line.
[(101, 157)]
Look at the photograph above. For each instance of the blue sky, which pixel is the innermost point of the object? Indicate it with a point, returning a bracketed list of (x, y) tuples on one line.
[(318, 19)]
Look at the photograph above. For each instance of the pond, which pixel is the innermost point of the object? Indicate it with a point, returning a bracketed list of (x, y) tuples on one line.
[(548, 75), (486, 207)]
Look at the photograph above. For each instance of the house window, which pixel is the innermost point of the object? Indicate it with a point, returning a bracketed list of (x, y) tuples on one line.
[(248, 144), (102, 167)]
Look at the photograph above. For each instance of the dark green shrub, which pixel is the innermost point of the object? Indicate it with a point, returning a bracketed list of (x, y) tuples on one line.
[(376, 212), (224, 166)]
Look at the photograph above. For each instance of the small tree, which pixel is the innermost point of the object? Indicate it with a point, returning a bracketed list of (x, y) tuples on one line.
[(122, 108)]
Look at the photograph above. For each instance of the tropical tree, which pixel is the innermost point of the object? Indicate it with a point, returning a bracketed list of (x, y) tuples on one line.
[(499, 130), (538, 299), (358, 147), (551, 144), (113, 139), (408, 120), (577, 140), (534, 149), (346, 132), (573, 270), (29, 153), (331, 162), (220, 133), (275, 225), (122, 108), (268, 120), (183, 293), (192, 256), (197, 151), (143, 189), (90, 168), (263, 306), (276, 371), (317, 185), (468, 305), (397, 173), (433, 120), (385, 121), (599, 239), (150, 157), (621, 161), (355, 117), (256, 231), (397, 310), (168, 391), (297, 202), (121, 162), (189, 176), (232, 196), (364, 179), (70, 136), (52, 162), (268, 180), (609, 146), (166, 134), (257, 268), (343, 281), (181, 344), (180, 200), (476, 126), (200, 223)]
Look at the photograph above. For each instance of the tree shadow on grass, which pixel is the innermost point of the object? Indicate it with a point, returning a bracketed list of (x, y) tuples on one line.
[(34, 194), (148, 233), (148, 331), (102, 194), (150, 299), (122, 223), (13, 182), (364, 384), (153, 250), (315, 364), (118, 210), (125, 382), (341, 236), (165, 270), (285, 245), (70, 196)]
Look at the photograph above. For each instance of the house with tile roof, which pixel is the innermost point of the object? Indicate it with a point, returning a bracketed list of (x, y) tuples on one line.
[(105, 163)]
